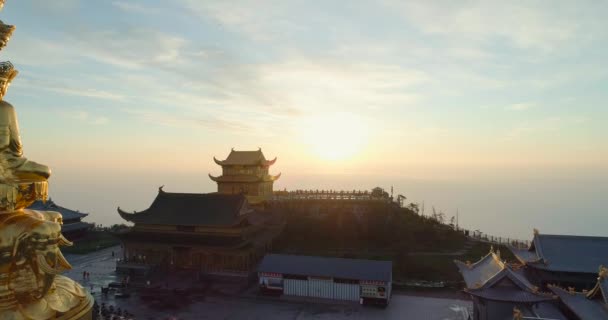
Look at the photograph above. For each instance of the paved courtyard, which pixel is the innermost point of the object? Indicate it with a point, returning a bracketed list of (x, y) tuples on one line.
[(214, 301)]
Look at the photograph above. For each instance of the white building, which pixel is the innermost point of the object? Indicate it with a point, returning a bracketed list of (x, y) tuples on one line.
[(365, 281)]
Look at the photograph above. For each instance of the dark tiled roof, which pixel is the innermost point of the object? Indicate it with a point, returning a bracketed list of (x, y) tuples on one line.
[(565, 253), (191, 209), (510, 294), (243, 178), (544, 310), (355, 269), (67, 214), (245, 158), (481, 271), (76, 226), (587, 309)]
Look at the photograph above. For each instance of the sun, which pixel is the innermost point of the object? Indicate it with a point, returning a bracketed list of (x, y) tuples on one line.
[(335, 136)]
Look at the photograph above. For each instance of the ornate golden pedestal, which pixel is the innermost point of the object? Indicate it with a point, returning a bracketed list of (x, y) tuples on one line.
[(30, 258)]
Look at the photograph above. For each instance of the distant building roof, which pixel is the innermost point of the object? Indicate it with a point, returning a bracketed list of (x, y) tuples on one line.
[(245, 178), (589, 305), (492, 279), (565, 253), (49, 205), (191, 209), (245, 158), (356, 269), (75, 226), (580, 305), (477, 274)]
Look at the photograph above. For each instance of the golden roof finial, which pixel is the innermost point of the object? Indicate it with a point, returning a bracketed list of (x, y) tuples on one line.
[(535, 231), (517, 314), (603, 273)]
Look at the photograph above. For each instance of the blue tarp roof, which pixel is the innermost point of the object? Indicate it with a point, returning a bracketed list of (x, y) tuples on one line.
[(355, 269)]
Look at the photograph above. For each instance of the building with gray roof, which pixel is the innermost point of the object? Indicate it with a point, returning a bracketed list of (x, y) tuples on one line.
[(586, 305), (497, 289), (563, 259), (73, 226), (204, 233), (330, 278)]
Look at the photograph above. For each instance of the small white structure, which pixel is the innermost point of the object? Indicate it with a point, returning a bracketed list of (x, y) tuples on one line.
[(367, 281)]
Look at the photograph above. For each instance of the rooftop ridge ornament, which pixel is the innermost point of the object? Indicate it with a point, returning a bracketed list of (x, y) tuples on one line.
[(6, 30), (31, 287)]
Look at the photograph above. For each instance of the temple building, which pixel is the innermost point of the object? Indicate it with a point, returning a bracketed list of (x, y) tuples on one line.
[(246, 172), (73, 227), (212, 234), (563, 259), (585, 305), (499, 291)]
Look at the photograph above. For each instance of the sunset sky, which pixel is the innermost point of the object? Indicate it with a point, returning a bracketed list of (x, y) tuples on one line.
[(116, 91)]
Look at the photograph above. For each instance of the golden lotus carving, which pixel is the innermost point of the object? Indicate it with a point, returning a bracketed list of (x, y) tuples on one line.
[(30, 240)]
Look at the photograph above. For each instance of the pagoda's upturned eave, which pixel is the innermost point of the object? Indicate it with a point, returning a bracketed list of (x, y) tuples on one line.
[(262, 162), (224, 178), (129, 216)]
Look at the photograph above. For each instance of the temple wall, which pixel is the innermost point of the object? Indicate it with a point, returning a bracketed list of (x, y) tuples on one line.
[(244, 170), (201, 259), (237, 188)]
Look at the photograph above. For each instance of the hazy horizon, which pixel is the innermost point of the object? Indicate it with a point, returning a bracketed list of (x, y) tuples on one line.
[(493, 108), (506, 205)]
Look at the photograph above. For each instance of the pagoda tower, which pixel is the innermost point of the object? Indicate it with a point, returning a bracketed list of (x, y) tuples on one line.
[(31, 286), (246, 172)]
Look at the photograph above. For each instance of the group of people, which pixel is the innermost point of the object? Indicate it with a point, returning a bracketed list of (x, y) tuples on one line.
[(86, 275), (110, 313)]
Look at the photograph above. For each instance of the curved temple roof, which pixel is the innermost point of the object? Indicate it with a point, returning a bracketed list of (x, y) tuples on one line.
[(67, 214), (564, 253), (245, 158), (191, 209), (590, 305), (483, 279), (245, 178)]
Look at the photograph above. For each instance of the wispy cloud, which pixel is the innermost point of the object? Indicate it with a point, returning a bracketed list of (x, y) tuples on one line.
[(520, 106), (67, 87), (86, 117), (524, 25), (551, 125), (135, 7), (174, 119)]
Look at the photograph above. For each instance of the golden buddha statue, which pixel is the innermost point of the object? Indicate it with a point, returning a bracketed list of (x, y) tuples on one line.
[(14, 165), (30, 258)]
